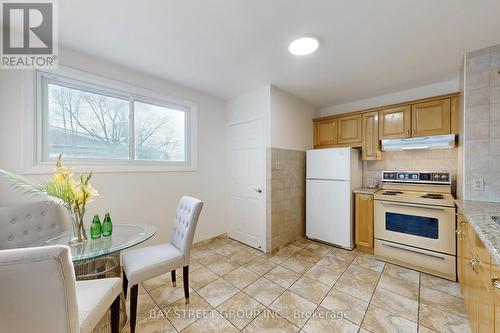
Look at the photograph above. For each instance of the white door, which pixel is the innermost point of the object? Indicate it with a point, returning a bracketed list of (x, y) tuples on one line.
[(329, 212), (246, 157)]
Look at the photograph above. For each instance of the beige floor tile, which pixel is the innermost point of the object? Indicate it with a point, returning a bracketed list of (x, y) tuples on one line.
[(151, 325), (217, 242), (293, 307), (158, 281), (445, 286), (260, 266), (144, 305), (212, 323), (362, 330), (423, 329), (218, 292), (380, 320), (222, 267), (369, 261), (402, 273), (226, 249), (297, 265), (290, 250), (327, 321), (353, 308), (193, 265), (282, 276), (240, 309), (241, 277), (343, 255), (443, 301), (264, 291), (254, 251), (201, 277), (308, 255), (241, 257), (323, 275), (358, 288), (277, 258), (303, 242), (182, 315), (208, 257), (270, 322), (311, 290), (364, 274), (333, 264), (197, 251), (398, 286), (400, 305), (167, 294), (319, 248), (442, 321)]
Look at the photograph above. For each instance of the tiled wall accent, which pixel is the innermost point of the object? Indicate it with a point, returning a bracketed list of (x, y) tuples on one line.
[(286, 184), (481, 149), (418, 160)]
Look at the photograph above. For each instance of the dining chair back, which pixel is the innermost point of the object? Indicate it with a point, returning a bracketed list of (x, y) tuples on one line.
[(30, 223)]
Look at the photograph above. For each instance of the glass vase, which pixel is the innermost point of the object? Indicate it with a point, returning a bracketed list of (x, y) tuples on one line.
[(77, 234)]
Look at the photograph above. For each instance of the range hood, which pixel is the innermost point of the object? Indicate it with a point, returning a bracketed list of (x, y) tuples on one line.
[(422, 142)]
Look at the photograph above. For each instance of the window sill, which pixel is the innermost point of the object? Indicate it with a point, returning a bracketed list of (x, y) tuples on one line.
[(118, 167)]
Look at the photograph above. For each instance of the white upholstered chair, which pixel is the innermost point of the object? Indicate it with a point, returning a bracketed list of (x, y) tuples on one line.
[(38, 293), (145, 263)]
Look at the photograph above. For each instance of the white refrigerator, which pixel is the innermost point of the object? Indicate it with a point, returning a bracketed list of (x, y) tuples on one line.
[(332, 175)]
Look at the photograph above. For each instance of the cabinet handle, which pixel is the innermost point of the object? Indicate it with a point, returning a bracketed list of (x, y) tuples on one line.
[(408, 132), (413, 131), (474, 263), (496, 282)]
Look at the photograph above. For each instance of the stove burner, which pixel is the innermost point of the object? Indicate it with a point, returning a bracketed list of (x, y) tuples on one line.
[(392, 193), (432, 196)]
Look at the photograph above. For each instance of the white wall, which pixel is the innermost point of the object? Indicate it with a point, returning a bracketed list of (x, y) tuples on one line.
[(435, 89), (130, 197), (291, 121)]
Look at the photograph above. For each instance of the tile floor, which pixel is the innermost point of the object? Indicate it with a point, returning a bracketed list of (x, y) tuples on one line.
[(306, 287)]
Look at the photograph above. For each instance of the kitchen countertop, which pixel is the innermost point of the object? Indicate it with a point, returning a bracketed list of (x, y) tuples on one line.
[(478, 214), (366, 190)]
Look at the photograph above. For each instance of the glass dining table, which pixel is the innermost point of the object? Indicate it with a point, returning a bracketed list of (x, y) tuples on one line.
[(100, 258)]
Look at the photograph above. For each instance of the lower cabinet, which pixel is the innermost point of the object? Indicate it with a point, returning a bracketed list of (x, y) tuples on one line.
[(477, 274), (363, 226)]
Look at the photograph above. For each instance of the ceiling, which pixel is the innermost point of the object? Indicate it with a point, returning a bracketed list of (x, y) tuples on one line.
[(229, 47)]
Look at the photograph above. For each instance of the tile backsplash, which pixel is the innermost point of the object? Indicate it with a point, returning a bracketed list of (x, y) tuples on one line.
[(286, 184), (417, 160), (481, 128)]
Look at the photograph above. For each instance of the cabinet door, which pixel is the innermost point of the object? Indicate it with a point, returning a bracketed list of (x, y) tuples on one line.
[(371, 143), (349, 129), (495, 281), (461, 239), (431, 118), (325, 133), (395, 122), (364, 220)]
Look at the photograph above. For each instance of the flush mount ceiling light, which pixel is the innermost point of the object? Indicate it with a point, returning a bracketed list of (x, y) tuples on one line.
[(304, 45)]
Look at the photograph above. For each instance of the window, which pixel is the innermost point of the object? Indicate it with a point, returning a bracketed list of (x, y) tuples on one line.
[(89, 123)]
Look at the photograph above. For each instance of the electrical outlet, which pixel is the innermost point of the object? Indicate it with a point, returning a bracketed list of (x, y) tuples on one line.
[(478, 184)]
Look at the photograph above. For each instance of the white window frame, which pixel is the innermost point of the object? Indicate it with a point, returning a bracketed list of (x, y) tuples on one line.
[(82, 80)]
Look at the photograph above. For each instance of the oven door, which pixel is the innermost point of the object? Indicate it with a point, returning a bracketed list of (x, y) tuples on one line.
[(426, 227)]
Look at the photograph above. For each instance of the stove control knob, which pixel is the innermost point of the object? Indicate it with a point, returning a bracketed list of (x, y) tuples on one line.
[(444, 176), (436, 177)]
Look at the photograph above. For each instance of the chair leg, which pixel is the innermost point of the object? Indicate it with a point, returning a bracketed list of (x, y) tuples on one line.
[(173, 278), (115, 316), (133, 306), (125, 284), (185, 277)]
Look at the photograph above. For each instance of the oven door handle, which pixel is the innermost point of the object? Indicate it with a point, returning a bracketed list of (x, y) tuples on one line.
[(412, 206), (414, 251)]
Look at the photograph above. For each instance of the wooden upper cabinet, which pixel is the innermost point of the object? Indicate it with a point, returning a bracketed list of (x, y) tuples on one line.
[(349, 129), (431, 118), (370, 142), (325, 133), (363, 217), (394, 122)]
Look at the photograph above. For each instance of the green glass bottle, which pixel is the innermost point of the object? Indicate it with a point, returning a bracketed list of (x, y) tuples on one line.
[(107, 226), (96, 228)]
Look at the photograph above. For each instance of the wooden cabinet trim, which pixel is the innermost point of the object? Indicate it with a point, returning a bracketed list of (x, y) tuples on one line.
[(364, 221)]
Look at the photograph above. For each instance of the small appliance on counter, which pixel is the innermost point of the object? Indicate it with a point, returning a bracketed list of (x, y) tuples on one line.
[(414, 222), (332, 175)]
